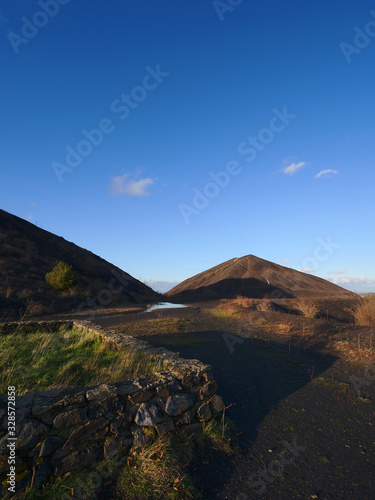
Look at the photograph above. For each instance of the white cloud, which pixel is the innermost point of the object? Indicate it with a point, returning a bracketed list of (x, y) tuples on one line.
[(360, 280), (293, 168), (323, 174), (124, 184), (338, 271), (306, 270), (29, 217), (355, 283), (285, 260)]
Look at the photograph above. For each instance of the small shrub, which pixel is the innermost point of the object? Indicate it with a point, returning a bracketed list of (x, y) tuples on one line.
[(62, 277), (245, 302), (228, 308), (365, 312), (309, 308), (264, 305), (285, 327)]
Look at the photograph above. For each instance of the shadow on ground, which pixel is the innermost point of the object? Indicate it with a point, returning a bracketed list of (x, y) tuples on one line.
[(253, 376)]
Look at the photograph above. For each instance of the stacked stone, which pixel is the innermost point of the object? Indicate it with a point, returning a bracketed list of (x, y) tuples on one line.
[(62, 430)]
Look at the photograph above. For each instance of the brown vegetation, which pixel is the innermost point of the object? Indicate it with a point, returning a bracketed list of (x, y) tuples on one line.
[(309, 308), (364, 313)]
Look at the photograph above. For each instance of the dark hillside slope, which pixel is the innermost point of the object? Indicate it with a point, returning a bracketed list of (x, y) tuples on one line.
[(27, 253)]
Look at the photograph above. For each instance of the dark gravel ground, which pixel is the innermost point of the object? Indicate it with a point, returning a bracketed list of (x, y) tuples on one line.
[(302, 433)]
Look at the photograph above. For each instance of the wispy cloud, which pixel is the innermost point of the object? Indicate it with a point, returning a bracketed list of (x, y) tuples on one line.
[(29, 217), (125, 185), (292, 168), (306, 270), (338, 271), (363, 280), (285, 261), (356, 283), (323, 174)]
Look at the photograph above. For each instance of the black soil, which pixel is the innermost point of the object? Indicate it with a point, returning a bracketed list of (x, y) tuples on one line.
[(287, 404)]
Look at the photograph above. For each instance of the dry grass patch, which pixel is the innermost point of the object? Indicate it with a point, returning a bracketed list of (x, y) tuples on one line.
[(263, 305), (284, 327), (364, 313), (308, 307), (357, 344), (158, 472)]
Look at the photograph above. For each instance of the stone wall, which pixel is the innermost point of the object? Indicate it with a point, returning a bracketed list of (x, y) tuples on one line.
[(62, 430)]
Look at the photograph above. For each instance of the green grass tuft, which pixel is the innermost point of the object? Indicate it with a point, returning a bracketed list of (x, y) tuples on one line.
[(41, 361)]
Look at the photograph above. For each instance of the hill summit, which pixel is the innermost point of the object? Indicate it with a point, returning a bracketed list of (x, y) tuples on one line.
[(253, 277), (28, 252)]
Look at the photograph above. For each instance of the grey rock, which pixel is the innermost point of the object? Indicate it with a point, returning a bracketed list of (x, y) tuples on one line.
[(69, 418), (165, 427), (206, 391), (103, 391), (141, 439), (174, 386), (25, 400), (162, 391), (204, 412), (46, 447), (217, 404), (52, 394), (126, 389), (140, 396), (76, 396), (101, 408), (40, 474), (80, 459), (121, 424), (112, 447), (148, 415), (93, 430), (178, 403), (42, 405), (59, 454), (189, 381), (29, 432), (22, 413), (208, 376), (186, 418)]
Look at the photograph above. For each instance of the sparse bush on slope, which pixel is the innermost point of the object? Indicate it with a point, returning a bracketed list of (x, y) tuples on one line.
[(309, 308), (365, 312), (62, 277)]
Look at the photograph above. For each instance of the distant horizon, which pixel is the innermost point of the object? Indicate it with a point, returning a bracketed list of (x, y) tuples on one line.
[(168, 138), (162, 286)]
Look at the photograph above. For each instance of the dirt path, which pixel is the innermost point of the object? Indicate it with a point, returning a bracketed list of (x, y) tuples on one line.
[(303, 434)]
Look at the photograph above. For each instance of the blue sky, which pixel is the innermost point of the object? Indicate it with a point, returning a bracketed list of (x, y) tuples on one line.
[(168, 137)]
